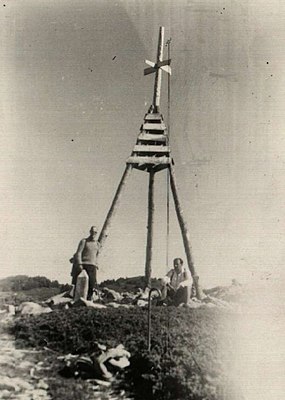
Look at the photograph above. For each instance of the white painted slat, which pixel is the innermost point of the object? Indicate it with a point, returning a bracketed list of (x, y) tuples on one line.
[(152, 136), (148, 160), (154, 127)]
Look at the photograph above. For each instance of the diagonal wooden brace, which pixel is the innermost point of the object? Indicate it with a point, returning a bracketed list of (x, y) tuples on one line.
[(184, 232), (114, 206)]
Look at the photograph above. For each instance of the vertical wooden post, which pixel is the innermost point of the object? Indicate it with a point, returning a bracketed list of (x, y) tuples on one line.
[(184, 231), (104, 232), (157, 82), (148, 262)]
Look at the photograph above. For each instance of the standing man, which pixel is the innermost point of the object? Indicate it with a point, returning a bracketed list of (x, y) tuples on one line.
[(176, 285), (86, 258)]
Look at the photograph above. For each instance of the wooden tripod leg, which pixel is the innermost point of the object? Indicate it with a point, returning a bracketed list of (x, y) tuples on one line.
[(104, 232), (184, 231), (148, 262)]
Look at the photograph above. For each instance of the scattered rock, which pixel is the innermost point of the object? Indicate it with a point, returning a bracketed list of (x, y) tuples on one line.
[(143, 294), (128, 298), (28, 307), (7, 360), (122, 363), (9, 308), (117, 305), (194, 304), (25, 365), (96, 367), (102, 383), (126, 305), (96, 296), (111, 295), (118, 357), (42, 385), (114, 305), (38, 394), (142, 303), (58, 300), (86, 303), (14, 384)]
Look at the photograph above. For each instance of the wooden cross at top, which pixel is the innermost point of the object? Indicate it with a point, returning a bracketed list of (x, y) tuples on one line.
[(157, 68)]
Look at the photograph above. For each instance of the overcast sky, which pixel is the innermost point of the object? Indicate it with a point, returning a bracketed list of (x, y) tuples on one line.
[(73, 97)]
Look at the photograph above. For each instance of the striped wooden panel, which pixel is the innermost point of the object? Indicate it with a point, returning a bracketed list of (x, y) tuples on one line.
[(150, 148), (153, 117)]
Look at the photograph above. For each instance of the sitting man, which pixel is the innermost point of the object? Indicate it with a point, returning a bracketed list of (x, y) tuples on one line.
[(176, 285)]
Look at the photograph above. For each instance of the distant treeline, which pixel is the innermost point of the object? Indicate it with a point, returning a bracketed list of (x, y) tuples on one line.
[(24, 282)]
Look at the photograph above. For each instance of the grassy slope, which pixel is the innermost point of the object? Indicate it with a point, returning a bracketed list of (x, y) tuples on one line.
[(186, 361)]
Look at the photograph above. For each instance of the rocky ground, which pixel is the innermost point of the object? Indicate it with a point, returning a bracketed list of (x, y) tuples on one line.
[(27, 373), (22, 372), (32, 374)]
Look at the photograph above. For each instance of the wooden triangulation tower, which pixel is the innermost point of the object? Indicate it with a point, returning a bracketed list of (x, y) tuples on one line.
[(151, 154)]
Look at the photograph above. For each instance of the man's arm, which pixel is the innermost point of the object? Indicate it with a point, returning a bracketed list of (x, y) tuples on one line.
[(188, 279), (78, 254), (166, 280), (99, 248)]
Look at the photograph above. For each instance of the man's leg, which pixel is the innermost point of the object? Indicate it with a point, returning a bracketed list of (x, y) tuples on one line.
[(182, 295), (91, 271), (167, 294), (163, 292), (75, 272)]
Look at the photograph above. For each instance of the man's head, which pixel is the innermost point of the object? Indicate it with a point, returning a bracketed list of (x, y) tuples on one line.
[(178, 264), (93, 231)]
